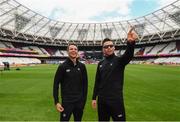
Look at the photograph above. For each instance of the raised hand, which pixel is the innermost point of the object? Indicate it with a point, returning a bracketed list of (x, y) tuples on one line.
[(132, 36)]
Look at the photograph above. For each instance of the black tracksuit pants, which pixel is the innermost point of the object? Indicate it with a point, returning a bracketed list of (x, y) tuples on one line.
[(111, 108), (75, 108)]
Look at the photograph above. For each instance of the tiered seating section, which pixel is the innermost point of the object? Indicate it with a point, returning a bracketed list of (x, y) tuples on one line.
[(11, 52)]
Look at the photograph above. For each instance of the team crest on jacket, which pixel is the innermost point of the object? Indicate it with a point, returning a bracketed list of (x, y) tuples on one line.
[(100, 66), (78, 69), (68, 70), (120, 115)]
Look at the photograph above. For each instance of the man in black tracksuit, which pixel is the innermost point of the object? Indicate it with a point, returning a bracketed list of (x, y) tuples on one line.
[(109, 81), (71, 75)]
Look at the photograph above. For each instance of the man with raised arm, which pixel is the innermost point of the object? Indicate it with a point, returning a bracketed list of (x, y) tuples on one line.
[(108, 88)]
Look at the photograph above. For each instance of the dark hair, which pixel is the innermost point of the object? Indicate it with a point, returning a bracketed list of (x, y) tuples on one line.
[(106, 40), (69, 44)]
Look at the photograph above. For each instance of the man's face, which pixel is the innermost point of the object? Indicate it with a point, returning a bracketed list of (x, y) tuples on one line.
[(108, 48), (72, 51)]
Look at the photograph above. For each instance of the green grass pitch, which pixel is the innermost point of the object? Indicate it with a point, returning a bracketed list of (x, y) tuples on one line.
[(151, 93)]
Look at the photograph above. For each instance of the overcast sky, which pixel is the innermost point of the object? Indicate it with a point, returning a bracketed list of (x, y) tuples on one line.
[(94, 10)]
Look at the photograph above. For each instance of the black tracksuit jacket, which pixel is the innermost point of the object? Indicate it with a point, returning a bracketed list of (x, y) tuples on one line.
[(73, 81), (110, 75)]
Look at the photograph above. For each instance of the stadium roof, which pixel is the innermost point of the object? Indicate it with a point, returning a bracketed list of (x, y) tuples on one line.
[(21, 21)]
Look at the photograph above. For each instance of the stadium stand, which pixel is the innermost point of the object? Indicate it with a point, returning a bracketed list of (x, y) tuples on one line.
[(27, 37), (19, 61)]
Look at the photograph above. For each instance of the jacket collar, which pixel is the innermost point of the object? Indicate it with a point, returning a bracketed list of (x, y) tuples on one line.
[(110, 57), (70, 62)]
